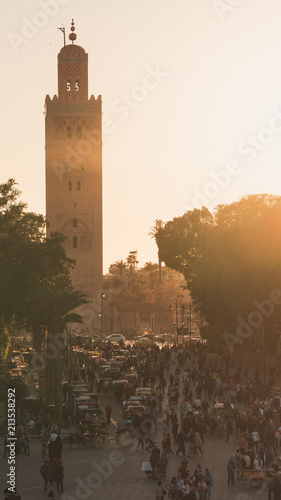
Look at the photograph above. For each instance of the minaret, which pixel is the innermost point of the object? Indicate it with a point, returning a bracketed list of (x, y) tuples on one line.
[(74, 172)]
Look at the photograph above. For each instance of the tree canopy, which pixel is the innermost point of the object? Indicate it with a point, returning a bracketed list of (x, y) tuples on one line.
[(231, 258), (127, 283), (27, 257)]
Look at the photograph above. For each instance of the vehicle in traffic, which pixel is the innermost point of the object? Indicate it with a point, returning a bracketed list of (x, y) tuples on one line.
[(116, 337), (142, 341)]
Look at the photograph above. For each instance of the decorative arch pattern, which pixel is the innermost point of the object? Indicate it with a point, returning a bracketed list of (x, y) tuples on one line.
[(76, 234)]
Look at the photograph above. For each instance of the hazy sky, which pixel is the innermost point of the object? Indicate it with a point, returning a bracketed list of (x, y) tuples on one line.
[(190, 88)]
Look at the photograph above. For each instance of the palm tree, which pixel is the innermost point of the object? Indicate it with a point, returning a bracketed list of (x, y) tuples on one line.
[(132, 262), (149, 267), (158, 224), (53, 305), (118, 267)]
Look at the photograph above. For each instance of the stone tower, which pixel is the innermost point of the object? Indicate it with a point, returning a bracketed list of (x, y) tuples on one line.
[(73, 139)]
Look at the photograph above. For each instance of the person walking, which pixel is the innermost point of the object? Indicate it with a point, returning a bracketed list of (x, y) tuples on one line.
[(277, 489), (186, 490), (209, 480), (172, 488), (229, 428), (141, 438), (57, 447), (181, 437), (175, 428), (160, 492), (44, 448), (180, 483), (168, 415), (256, 439), (45, 472), (108, 411), (58, 476), (163, 464), (26, 446), (269, 480), (231, 466), (198, 443), (166, 443), (154, 461)]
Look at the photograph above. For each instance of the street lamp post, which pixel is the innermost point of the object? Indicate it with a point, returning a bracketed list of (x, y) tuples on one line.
[(190, 320), (170, 308), (181, 312), (177, 337), (102, 326), (182, 319)]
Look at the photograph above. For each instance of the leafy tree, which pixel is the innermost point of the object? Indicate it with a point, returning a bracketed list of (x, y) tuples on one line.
[(231, 259), (27, 258), (154, 230), (4, 341), (119, 267), (150, 268), (132, 262), (125, 283), (54, 306)]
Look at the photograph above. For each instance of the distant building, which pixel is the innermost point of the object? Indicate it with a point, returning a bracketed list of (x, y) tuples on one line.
[(74, 173), (125, 317)]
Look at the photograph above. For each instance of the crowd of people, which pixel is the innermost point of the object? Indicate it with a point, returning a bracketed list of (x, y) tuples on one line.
[(191, 398)]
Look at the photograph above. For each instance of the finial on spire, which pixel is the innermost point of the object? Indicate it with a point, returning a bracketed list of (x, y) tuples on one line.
[(72, 35)]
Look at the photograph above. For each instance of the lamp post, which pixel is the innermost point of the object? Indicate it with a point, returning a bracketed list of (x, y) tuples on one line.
[(177, 337), (182, 319), (181, 312), (190, 320), (102, 327), (70, 373), (170, 308)]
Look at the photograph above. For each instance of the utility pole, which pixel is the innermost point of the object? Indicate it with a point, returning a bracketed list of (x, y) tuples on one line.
[(170, 308), (102, 326), (190, 320), (181, 311)]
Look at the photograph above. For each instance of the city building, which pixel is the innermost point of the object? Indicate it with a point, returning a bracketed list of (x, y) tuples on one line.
[(73, 139)]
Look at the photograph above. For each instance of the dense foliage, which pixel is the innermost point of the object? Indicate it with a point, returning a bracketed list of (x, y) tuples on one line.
[(231, 258)]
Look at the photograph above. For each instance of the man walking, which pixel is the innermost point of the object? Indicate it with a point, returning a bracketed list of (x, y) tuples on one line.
[(208, 478), (108, 411), (231, 466), (45, 472), (141, 438), (163, 464), (59, 476), (181, 437)]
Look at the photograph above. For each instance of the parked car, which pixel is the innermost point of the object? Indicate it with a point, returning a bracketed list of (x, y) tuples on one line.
[(116, 337)]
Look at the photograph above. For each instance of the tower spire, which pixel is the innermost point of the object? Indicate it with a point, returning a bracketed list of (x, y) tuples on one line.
[(72, 35)]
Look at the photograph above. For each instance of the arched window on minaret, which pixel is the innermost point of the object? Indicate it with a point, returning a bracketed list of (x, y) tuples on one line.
[(68, 86), (77, 86), (68, 132), (78, 185), (79, 132), (75, 241), (74, 223)]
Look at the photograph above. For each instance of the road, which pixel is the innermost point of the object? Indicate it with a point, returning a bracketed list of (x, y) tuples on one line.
[(112, 473)]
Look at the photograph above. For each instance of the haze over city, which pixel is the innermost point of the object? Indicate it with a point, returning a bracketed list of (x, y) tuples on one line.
[(188, 91)]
